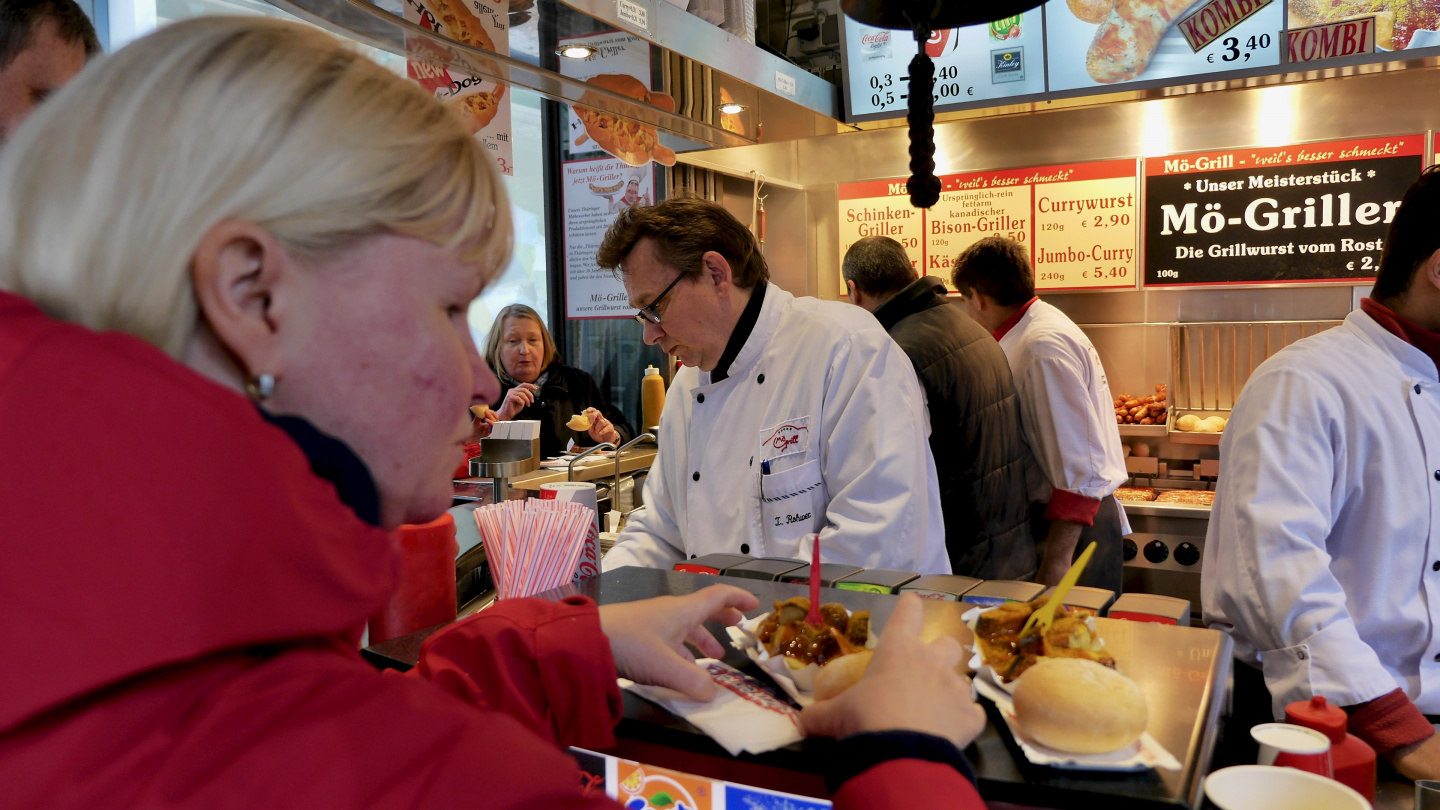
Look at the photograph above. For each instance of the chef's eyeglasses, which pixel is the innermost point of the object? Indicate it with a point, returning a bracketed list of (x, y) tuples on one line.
[(647, 313)]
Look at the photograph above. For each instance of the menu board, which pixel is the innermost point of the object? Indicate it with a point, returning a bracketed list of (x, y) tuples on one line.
[(1397, 26), (973, 64), (1292, 214), (1101, 43), (1080, 221), (881, 208)]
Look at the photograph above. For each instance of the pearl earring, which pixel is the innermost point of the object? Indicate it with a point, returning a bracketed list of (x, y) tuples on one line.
[(261, 387)]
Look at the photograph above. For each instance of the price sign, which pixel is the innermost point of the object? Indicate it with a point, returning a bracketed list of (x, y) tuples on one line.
[(1292, 214), (1092, 45), (881, 208), (1087, 222), (972, 64), (1079, 221)]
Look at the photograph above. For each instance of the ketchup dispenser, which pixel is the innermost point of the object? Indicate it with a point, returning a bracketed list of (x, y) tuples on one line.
[(1352, 760)]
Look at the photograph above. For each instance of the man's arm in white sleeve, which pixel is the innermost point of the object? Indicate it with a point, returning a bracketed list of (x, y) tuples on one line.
[(651, 537), (884, 509), (1267, 568)]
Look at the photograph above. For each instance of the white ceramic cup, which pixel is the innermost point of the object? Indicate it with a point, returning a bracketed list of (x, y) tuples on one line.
[(1266, 787)]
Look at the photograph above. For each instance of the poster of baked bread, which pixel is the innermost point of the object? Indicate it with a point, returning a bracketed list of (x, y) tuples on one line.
[(1100, 43), (483, 24)]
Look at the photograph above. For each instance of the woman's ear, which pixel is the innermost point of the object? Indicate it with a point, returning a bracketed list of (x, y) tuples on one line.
[(238, 271)]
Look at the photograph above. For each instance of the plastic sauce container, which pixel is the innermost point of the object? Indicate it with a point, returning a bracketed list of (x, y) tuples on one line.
[(1351, 759), (948, 587), (652, 397), (712, 563), (829, 572), (876, 580), (769, 569), (993, 592)]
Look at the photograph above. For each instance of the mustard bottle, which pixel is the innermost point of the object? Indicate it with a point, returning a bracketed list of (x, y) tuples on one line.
[(652, 398)]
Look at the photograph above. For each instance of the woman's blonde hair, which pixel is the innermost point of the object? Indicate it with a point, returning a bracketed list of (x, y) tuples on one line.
[(106, 192), (497, 333)]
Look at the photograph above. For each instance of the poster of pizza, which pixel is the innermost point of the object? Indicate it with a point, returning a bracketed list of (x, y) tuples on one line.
[(485, 25)]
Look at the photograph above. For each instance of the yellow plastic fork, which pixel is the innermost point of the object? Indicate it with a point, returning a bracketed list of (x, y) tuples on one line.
[(1046, 614)]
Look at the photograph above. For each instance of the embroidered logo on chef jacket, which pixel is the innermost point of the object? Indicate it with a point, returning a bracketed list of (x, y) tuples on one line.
[(787, 438)]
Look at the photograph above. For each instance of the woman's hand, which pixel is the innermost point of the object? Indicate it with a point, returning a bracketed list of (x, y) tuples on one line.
[(648, 637), (910, 686), (520, 397), (600, 428)]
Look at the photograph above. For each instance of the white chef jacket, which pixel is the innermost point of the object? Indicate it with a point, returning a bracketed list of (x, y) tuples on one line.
[(1322, 541), (1066, 410), (821, 395)]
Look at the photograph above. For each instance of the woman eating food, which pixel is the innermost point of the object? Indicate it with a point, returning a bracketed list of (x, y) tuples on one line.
[(534, 384), (255, 249)]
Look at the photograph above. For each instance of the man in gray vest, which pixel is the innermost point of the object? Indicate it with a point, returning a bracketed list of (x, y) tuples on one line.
[(975, 432)]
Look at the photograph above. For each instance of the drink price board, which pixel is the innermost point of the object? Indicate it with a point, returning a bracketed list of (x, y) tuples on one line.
[(1080, 221), (1272, 215), (974, 64)]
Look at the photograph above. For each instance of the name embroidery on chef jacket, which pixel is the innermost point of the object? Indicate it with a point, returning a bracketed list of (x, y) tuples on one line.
[(785, 439)]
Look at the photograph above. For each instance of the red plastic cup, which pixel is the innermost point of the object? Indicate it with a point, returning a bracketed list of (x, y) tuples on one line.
[(426, 596)]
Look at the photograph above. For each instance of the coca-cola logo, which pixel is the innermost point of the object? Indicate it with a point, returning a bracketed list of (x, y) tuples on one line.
[(875, 38)]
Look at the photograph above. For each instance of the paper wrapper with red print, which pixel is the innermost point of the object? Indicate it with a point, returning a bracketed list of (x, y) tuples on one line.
[(742, 717)]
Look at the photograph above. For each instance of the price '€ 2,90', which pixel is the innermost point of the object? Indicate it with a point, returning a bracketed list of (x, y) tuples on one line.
[(887, 89)]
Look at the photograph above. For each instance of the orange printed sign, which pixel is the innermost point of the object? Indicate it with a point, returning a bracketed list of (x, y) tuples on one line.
[(647, 787)]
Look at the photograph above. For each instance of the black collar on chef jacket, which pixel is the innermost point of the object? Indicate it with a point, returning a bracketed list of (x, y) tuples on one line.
[(334, 461), (743, 328)]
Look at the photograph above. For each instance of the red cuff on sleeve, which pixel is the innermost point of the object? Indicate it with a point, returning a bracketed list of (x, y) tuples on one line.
[(547, 664), (1071, 508), (909, 783), (1389, 722)]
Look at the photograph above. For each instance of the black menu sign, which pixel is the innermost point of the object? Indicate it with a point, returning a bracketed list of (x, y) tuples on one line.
[(1272, 215)]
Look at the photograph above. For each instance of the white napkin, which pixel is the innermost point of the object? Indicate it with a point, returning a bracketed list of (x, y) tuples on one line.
[(742, 717), (1142, 755)]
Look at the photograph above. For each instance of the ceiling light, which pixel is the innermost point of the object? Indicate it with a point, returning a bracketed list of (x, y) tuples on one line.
[(732, 108), (576, 51)]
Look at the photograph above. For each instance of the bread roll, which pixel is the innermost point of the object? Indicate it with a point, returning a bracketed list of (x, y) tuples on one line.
[(1079, 706), (1218, 421), (841, 674), (579, 422), (1141, 450), (1187, 422)]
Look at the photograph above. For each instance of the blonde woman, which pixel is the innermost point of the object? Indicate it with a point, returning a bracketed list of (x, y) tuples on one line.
[(248, 252), (534, 384)]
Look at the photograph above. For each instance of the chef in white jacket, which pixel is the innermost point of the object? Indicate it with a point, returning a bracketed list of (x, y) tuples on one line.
[(790, 415), (1066, 412), (1322, 556)]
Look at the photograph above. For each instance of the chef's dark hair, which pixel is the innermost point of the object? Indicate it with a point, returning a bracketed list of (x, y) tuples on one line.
[(19, 20), (878, 265), (1413, 237), (997, 267), (684, 229)]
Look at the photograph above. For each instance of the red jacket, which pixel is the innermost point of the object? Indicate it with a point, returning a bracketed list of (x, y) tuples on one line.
[(181, 602)]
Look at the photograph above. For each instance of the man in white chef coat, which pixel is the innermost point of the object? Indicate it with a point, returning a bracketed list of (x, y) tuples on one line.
[(1066, 412), (790, 415), (1324, 541)]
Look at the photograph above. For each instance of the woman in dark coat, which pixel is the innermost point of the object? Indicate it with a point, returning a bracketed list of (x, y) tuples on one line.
[(534, 384)]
